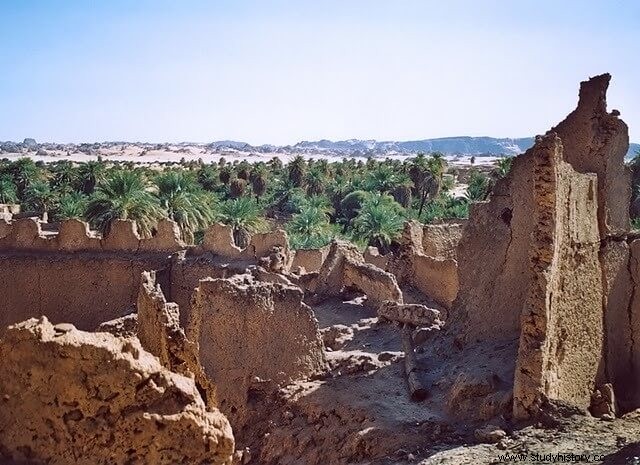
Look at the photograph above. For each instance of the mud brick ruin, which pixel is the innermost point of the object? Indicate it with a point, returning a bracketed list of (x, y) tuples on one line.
[(128, 350)]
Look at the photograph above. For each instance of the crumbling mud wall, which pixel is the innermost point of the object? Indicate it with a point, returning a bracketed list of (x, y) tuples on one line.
[(92, 398), (160, 333), (436, 275), (493, 260), (544, 264), (345, 267), (562, 334), (78, 278), (441, 240), (436, 278), (73, 277), (632, 364), (596, 141), (246, 330), (310, 260)]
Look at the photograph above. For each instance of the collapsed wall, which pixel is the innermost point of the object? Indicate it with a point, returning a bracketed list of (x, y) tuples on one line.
[(247, 329), (345, 267), (92, 398), (435, 275)]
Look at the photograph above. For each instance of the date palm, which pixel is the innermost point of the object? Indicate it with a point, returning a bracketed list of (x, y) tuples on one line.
[(39, 197), (185, 203), (297, 170), (310, 228), (71, 206), (124, 195), (379, 221), (8, 190), (245, 218), (90, 174)]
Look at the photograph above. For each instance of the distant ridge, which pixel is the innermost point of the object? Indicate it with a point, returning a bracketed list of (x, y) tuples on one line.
[(462, 145)]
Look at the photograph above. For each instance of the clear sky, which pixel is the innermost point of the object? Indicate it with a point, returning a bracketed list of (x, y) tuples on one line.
[(284, 71)]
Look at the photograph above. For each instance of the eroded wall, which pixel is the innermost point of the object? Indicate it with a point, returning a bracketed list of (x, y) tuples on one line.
[(79, 278), (248, 329), (562, 334)]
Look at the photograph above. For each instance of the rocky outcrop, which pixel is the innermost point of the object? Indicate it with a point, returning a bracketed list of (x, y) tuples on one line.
[(246, 330), (91, 398)]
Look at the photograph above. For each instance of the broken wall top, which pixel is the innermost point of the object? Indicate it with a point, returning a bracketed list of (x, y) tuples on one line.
[(26, 234), (596, 141), (493, 253)]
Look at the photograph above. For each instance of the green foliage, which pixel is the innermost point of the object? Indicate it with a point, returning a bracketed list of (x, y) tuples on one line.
[(352, 203), (208, 178), (316, 200), (244, 216), (479, 186), (297, 171), (502, 168), (8, 190), (635, 224), (71, 206), (443, 208), (90, 174), (39, 197), (379, 221), (185, 202), (310, 228), (124, 195)]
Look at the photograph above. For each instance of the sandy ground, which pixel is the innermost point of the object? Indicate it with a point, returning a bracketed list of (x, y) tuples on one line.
[(361, 413), (137, 154)]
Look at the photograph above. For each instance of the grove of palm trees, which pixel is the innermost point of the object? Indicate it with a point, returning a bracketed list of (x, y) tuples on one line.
[(365, 201)]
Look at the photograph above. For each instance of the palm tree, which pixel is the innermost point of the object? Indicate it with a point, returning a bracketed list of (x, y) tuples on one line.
[(39, 197), (297, 170), (258, 180), (310, 229), (224, 174), (71, 206), (502, 168), (124, 195), (379, 221), (90, 174), (237, 187), (208, 177), (244, 217), (384, 178), (479, 186), (185, 203), (315, 181), (243, 169), (8, 190), (437, 167), (424, 182), (24, 171)]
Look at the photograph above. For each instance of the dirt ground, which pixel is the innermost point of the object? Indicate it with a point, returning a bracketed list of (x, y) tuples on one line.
[(361, 413)]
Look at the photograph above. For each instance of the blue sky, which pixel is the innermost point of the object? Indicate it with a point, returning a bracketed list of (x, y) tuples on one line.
[(284, 71)]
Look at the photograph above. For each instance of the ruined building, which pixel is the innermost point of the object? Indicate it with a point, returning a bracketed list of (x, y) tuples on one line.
[(216, 354)]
